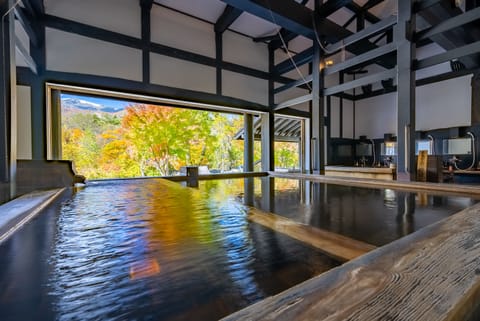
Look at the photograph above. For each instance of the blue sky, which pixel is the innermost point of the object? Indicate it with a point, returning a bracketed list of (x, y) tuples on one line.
[(106, 102)]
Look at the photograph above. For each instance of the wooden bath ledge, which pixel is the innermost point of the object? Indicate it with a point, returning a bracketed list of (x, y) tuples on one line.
[(334, 245), (432, 274), (382, 173)]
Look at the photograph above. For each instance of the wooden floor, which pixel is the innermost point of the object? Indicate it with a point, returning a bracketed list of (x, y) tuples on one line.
[(430, 188), (432, 274)]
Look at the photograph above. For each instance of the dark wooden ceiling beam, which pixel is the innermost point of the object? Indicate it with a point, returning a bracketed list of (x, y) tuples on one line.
[(229, 15), (329, 7), (288, 14), (371, 3), (298, 19), (355, 8), (37, 6), (452, 39), (299, 59), (29, 25), (284, 36)]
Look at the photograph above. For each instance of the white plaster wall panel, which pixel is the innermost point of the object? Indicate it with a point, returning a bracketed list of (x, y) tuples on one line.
[(299, 44), (24, 123), (331, 80), (376, 116), (335, 117), (73, 53), (290, 94), (208, 10), (182, 74), (121, 16), (385, 9), (177, 30), (302, 107), (280, 56), (243, 51), (444, 104), (347, 118), (341, 16), (254, 26), (245, 87)]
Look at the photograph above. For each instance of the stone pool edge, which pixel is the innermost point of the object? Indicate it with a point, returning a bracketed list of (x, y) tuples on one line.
[(21, 210)]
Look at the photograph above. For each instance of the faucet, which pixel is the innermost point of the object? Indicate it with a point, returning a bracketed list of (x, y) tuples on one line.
[(363, 161), (388, 160)]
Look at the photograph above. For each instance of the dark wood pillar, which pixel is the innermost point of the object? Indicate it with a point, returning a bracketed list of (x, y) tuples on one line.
[(406, 91), (268, 120), (219, 59), (8, 103), (248, 143), (38, 107), (56, 130), (146, 6), (318, 112)]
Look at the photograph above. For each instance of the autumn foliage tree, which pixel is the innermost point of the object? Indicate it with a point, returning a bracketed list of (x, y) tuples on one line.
[(149, 140)]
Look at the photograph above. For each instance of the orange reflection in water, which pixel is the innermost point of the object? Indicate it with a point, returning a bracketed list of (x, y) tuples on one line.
[(144, 269)]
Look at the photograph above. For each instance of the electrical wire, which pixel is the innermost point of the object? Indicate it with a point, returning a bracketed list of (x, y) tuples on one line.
[(287, 50)]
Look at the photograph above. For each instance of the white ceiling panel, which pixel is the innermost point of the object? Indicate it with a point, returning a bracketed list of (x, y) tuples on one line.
[(385, 9), (299, 44), (208, 10), (253, 26)]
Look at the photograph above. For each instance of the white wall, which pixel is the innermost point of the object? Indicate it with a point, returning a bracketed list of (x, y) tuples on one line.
[(245, 87), (121, 16), (73, 53), (347, 119), (439, 105), (176, 30), (243, 51), (24, 123), (181, 74), (376, 116), (444, 104)]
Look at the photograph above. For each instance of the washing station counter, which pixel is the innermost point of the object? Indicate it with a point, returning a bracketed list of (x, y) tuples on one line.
[(383, 173)]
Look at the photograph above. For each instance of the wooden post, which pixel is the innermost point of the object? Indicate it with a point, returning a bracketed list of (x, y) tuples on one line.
[(8, 102), (248, 142), (406, 91)]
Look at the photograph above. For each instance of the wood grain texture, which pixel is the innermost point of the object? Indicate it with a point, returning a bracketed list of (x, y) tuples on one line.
[(432, 274), (377, 173), (334, 245), (422, 162), (431, 188)]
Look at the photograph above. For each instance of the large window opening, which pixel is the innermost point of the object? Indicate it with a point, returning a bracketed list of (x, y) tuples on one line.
[(116, 139), (117, 135)]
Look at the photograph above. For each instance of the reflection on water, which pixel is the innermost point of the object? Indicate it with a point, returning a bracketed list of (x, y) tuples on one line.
[(154, 250), (149, 250), (375, 216)]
